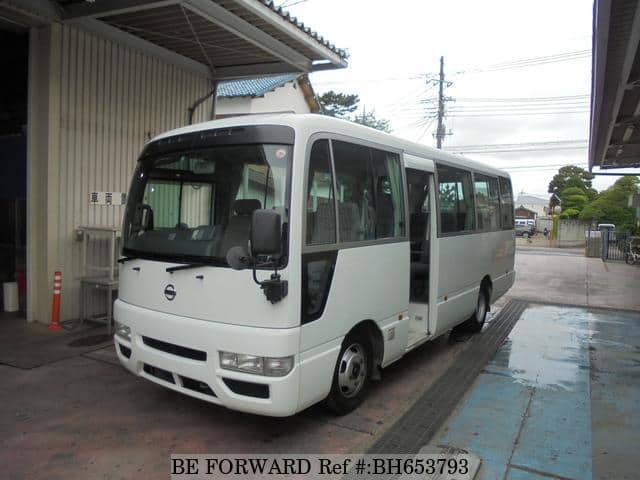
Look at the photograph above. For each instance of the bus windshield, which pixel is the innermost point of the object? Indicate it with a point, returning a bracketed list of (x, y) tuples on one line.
[(194, 205)]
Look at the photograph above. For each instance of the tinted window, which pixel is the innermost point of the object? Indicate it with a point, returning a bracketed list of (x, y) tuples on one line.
[(419, 219), (506, 203), (369, 193), (317, 272), (321, 223), (388, 194), (455, 200), (487, 202), (355, 195)]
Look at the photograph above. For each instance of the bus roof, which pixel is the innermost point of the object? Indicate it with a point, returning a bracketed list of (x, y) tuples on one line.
[(310, 123)]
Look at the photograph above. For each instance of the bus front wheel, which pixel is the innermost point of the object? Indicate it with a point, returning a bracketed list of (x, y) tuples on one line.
[(476, 321), (351, 375)]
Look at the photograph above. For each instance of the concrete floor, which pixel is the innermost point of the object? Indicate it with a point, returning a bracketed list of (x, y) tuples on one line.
[(566, 276), (85, 417)]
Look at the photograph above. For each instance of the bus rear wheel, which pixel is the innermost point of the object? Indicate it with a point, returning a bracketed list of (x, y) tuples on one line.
[(351, 375)]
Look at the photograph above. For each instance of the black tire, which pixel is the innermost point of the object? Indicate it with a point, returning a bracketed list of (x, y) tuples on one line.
[(628, 258), (476, 321), (351, 375)]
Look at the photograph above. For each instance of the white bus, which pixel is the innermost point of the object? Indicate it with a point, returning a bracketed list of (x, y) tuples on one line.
[(272, 262)]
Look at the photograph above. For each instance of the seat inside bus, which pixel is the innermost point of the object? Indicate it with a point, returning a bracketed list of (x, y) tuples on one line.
[(237, 231)]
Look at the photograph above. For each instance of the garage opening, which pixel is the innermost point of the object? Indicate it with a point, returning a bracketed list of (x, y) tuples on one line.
[(14, 51)]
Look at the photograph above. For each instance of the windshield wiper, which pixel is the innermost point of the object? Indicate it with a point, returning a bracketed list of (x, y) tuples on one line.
[(185, 267), (126, 259)]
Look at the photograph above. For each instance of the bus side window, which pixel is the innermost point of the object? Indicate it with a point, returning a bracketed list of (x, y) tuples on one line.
[(321, 223), (355, 191), (487, 202), (455, 192), (506, 203), (389, 195), (369, 192)]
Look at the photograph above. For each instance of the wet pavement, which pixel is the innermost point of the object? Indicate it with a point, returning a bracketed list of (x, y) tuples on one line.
[(566, 276), (559, 399)]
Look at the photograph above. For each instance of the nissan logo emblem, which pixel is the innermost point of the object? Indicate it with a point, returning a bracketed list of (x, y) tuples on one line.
[(170, 292)]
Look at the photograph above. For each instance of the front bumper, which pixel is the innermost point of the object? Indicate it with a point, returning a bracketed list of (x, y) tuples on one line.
[(181, 353)]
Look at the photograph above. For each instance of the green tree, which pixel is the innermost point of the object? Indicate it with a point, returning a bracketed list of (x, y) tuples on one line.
[(337, 104), (369, 119), (611, 206), (571, 176), (574, 200), (343, 105)]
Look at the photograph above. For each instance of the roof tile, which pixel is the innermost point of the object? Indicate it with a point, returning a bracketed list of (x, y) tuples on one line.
[(254, 87)]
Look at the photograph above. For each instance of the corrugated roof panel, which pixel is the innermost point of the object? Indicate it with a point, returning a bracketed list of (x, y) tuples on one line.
[(253, 87)]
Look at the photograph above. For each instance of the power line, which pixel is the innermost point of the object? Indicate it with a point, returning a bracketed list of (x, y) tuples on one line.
[(370, 80), (492, 145), (518, 114), (510, 108), (520, 147), (518, 150), (426, 129), (291, 3), (541, 166), (530, 62), (524, 99)]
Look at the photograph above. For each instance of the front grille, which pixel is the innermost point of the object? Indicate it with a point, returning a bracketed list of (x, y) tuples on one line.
[(177, 350), (196, 386), (125, 351), (249, 389), (159, 373)]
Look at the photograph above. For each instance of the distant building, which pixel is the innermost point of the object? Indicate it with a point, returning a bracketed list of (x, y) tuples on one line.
[(289, 93), (522, 212), (533, 203)]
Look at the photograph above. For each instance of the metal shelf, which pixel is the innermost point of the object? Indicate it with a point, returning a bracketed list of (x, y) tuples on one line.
[(98, 276)]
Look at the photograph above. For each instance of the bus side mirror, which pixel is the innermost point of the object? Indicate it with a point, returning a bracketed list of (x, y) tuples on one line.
[(143, 218), (266, 233), (266, 240)]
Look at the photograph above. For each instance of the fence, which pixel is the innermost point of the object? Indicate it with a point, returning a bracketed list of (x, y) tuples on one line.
[(609, 245)]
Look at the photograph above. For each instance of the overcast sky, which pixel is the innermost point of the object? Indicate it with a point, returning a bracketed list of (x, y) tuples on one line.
[(394, 44)]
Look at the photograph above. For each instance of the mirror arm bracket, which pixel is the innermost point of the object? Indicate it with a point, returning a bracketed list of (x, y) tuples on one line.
[(275, 289)]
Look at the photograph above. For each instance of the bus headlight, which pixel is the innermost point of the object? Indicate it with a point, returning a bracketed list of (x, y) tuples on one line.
[(123, 331), (267, 366), (278, 366)]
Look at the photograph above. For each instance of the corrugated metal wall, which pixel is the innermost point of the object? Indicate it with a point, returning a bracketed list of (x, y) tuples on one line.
[(112, 100)]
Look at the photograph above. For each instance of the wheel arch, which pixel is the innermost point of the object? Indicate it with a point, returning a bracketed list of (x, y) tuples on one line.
[(372, 332)]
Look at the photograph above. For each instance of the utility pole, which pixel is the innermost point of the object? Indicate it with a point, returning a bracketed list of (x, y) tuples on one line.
[(438, 113), (440, 132)]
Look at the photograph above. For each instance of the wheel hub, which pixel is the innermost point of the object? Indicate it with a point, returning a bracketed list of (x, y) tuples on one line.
[(352, 371)]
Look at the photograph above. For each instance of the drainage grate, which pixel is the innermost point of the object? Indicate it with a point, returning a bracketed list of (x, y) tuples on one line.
[(90, 341), (426, 416)]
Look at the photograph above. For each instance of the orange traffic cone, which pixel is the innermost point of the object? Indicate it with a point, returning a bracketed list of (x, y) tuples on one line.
[(55, 314)]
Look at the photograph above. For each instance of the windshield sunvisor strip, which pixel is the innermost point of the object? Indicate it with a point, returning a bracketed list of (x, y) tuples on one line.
[(254, 134)]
